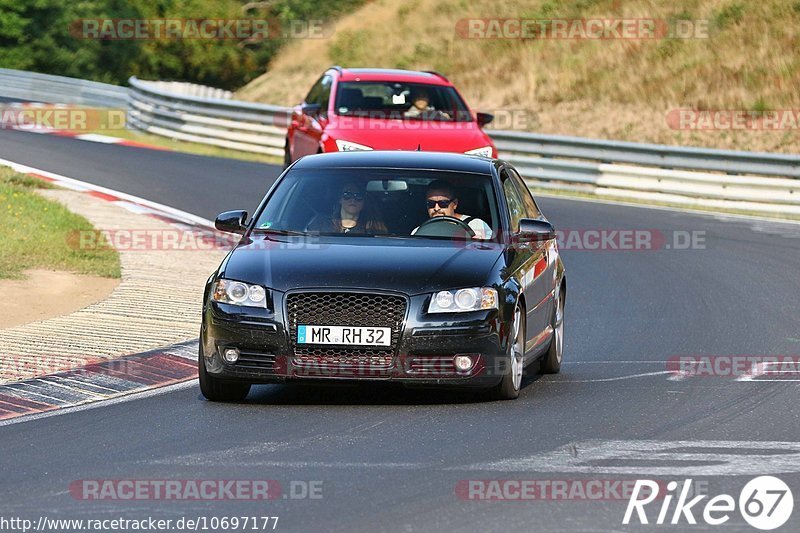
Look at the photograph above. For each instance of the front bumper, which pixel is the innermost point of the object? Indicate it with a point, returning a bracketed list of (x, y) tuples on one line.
[(424, 354)]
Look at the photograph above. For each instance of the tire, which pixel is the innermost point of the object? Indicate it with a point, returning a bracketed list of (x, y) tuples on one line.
[(551, 362), (509, 386), (218, 390)]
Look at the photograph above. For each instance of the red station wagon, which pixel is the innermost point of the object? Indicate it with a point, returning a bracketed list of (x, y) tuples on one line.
[(381, 109)]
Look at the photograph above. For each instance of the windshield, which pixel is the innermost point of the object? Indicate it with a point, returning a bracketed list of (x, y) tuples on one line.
[(383, 202), (407, 101)]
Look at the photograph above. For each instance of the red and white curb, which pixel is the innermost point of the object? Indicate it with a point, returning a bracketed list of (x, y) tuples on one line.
[(98, 382)]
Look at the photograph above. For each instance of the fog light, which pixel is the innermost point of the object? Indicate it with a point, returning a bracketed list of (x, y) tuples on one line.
[(231, 355), (463, 363)]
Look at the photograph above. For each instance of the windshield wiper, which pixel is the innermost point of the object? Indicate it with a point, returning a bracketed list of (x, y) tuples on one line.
[(273, 231)]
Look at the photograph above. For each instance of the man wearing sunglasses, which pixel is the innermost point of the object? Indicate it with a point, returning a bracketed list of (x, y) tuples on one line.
[(442, 201)]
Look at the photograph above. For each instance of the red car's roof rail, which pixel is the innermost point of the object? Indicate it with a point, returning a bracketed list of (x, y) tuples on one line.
[(337, 68)]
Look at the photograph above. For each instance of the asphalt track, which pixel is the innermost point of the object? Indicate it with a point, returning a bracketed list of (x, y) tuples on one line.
[(391, 459)]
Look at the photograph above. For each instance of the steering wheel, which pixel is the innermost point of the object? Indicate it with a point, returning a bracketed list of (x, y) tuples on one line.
[(436, 225)]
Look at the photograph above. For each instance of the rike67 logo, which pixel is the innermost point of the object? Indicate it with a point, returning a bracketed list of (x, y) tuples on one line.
[(765, 503)]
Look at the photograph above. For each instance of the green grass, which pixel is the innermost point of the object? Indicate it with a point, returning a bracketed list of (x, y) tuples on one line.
[(189, 147), (39, 233)]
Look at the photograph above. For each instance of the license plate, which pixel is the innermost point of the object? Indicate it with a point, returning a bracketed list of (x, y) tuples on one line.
[(346, 335)]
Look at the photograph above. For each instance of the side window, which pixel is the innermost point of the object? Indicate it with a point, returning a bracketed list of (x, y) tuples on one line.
[(531, 209), (325, 93), (315, 94), (516, 210)]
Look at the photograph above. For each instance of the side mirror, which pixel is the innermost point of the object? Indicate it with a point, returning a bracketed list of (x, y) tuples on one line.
[(311, 109), (484, 119), (231, 221), (536, 230)]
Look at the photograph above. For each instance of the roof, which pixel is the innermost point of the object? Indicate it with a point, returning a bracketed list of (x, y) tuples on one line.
[(398, 159), (385, 74)]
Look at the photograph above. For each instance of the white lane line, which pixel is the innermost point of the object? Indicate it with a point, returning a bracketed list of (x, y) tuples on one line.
[(230, 458), (759, 380), (617, 378), (82, 185), (614, 362), (97, 138), (761, 369)]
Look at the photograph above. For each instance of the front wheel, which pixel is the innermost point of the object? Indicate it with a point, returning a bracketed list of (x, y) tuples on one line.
[(551, 364), (218, 390), (509, 386)]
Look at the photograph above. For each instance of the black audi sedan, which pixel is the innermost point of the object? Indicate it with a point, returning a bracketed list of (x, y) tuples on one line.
[(421, 268)]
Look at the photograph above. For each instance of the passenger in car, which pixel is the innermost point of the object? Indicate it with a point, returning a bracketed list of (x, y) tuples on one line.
[(351, 214), (421, 108), (442, 201)]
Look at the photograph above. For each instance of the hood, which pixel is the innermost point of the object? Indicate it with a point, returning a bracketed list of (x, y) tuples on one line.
[(367, 263), (396, 134)]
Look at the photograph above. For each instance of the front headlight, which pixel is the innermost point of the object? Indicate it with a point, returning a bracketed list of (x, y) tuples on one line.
[(237, 293), (462, 300), (486, 151), (347, 146)]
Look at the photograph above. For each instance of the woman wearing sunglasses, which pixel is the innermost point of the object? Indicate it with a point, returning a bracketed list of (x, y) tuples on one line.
[(351, 214)]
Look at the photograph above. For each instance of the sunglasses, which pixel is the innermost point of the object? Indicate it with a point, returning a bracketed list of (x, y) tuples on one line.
[(441, 203), (347, 195)]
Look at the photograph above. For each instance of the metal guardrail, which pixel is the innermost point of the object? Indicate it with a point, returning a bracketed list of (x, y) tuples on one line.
[(46, 88), (746, 193), (749, 181), (191, 89), (653, 155), (244, 126)]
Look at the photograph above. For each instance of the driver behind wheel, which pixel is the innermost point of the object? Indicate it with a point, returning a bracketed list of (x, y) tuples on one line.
[(442, 201)]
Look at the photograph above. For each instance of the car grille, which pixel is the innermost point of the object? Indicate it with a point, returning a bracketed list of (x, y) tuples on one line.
[(345, 309), (343, 356)]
